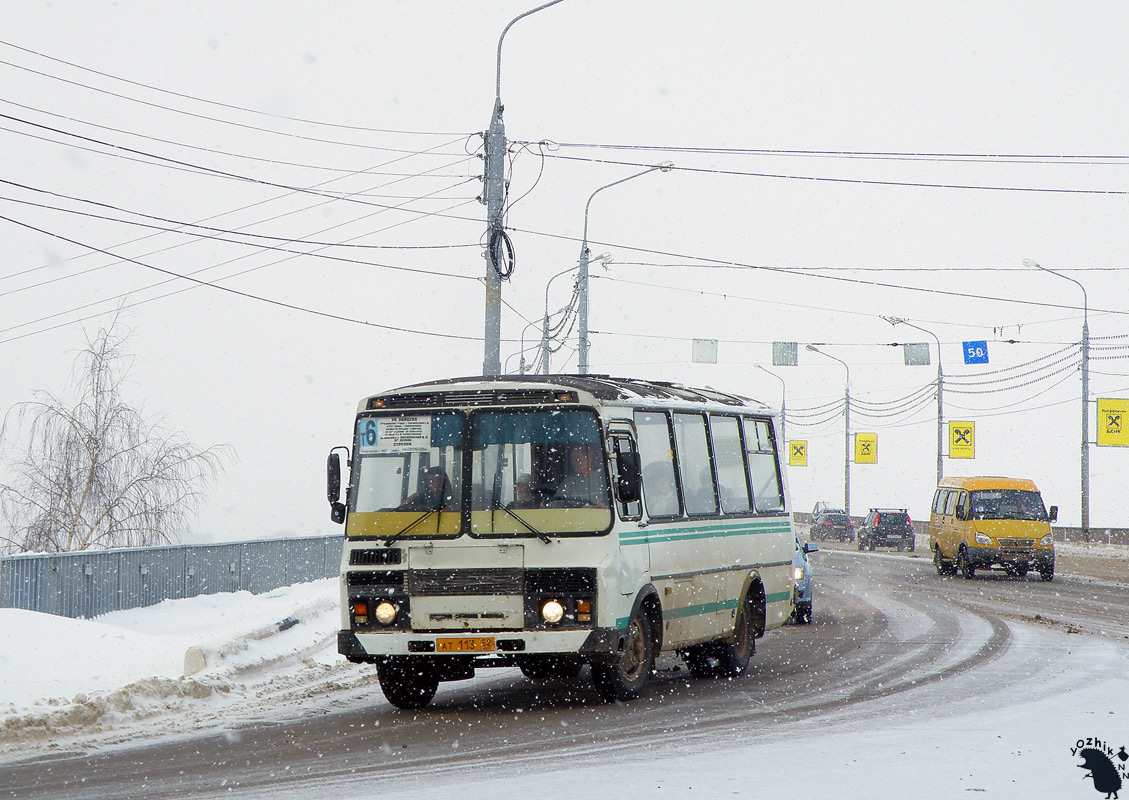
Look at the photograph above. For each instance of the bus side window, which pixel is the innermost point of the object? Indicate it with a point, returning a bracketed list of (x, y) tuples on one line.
[(732, 476), (764, 471), (951, 504), (694, 464), (939, 502), (656, 452)]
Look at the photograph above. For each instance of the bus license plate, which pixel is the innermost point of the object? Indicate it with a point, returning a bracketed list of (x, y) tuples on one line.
[(465, 645)]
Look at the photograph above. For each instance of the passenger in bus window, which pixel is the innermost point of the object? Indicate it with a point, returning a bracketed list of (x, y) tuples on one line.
[(434, 495), (523, 492), (584, 485), (658, 489)]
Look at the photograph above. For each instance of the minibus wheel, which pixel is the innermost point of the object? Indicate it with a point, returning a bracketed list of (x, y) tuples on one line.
[(625, 677), (964, 566), (407, 682)]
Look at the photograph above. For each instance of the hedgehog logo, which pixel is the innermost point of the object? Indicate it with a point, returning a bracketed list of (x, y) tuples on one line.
[(1102, 770)]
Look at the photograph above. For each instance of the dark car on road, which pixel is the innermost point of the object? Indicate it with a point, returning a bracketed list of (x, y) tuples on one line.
[(887, 527), (832, 523)]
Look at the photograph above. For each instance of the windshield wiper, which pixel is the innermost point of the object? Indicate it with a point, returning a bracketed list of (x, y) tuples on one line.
[(495, 505), (437, 510)]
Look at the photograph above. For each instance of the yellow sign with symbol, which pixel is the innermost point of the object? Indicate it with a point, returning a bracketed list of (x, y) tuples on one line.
[(962, 440), (1113, 422), (866, 448), (798, 453)]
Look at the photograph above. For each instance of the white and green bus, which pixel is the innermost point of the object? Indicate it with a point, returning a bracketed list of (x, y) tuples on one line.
[(549, 522)]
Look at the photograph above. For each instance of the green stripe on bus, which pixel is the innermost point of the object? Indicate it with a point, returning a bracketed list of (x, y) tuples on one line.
[(706, 608), (706, 532)]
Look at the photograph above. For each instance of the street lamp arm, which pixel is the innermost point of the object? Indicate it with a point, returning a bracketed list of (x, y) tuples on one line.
[(608, 186), (1027, 262), (498, 89)]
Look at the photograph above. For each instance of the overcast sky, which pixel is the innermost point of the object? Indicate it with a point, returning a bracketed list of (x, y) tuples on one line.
[(834, 164)]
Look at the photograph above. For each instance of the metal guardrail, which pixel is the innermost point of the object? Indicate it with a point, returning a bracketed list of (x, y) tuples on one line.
[(93, 582)]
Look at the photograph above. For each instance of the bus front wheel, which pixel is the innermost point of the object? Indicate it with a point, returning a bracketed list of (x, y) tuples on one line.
[(407, 682), (624, 678)]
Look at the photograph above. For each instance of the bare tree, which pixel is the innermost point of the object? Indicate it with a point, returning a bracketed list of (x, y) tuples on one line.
[(98, 474)]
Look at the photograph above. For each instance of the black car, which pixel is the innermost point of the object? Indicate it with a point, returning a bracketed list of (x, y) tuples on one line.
[(832, 523), (887, 527)]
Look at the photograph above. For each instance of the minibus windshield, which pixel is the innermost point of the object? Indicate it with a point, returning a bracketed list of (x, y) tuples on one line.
[(1007, 504)]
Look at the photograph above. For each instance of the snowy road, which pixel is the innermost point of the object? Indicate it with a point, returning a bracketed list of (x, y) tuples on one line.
[(903, 676)]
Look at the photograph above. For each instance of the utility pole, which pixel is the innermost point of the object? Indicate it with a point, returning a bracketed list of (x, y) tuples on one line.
[(846, 429), (666, 166), (1027, 262), (940, 389), (498, 245)]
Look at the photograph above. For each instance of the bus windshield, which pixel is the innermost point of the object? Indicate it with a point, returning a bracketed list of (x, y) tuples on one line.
[(407, 475), (538, 472), (1007, 504)]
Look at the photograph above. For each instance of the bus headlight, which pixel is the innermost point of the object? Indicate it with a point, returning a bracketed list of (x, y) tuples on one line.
[(983, 538), (552, 611), (386, 613), (1047, 541)]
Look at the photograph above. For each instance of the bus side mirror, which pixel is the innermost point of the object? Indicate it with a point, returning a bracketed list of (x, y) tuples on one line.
[(1053, 514), (627, 477), (333, 477), (333, 488)]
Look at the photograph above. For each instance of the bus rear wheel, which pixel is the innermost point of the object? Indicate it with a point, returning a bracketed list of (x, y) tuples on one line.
[(726, 659), (624, 678), (407, 682)]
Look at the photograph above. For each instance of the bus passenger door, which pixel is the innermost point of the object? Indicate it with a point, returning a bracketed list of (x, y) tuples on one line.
[(634, 555)]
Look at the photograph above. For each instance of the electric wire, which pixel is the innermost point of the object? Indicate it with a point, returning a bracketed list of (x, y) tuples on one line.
[(210, 102), (238, 293), (856, 181), (1000, 158), (209, 171)]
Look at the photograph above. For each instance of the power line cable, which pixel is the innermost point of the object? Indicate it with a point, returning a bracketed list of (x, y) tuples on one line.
[(855, 181), (238, 293), (202, 100)]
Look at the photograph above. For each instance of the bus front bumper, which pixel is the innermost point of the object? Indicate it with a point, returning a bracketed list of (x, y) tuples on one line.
[(594, 644)]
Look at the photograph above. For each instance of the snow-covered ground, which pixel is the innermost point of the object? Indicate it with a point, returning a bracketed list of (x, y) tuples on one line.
[(117, 679)]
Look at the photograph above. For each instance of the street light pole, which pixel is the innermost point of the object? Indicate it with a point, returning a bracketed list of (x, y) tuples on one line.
[(666, 166), (1027, 262), (783, 388), (493, 195), (940, 384), (545, 323), (846, 430)]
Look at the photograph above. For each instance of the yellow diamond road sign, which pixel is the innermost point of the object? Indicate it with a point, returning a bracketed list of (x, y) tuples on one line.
[(798, 453), (962, 440), (866, 448), (1113, 421)]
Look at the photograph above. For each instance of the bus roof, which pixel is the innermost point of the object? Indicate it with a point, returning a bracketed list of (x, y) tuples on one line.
[(520, 389), (989, 482)]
